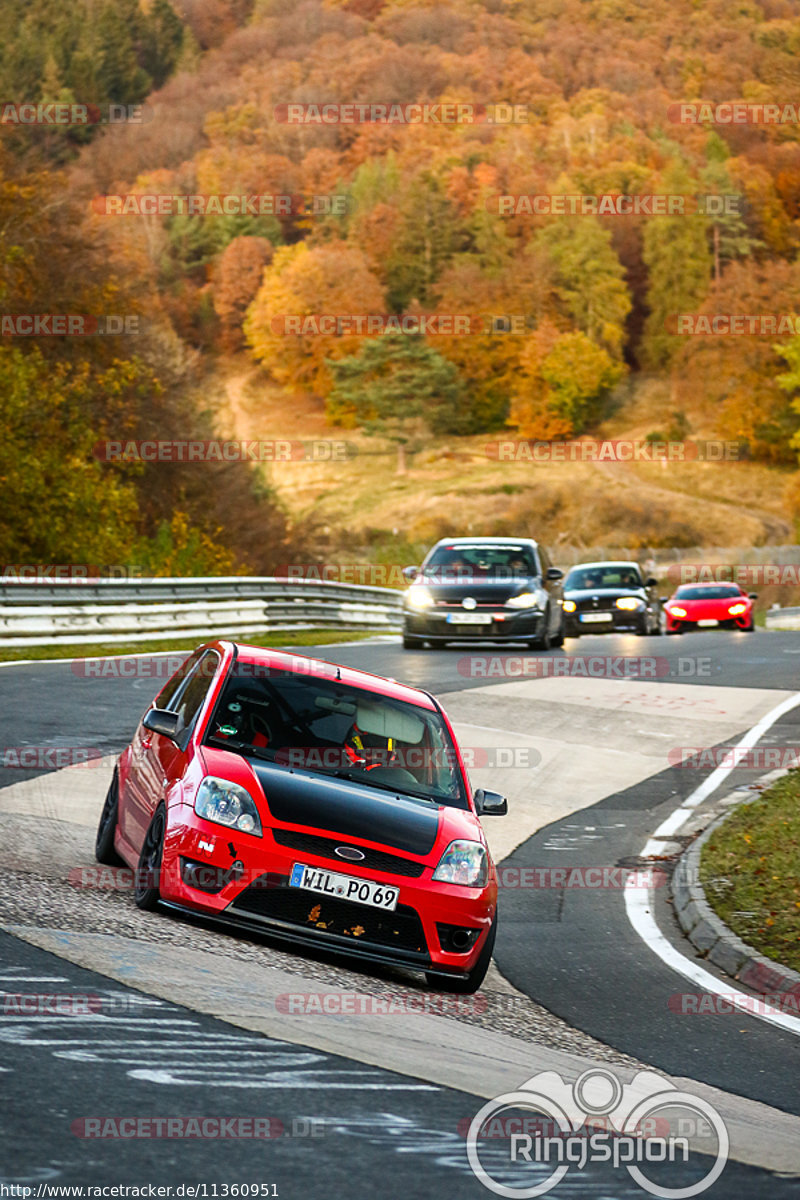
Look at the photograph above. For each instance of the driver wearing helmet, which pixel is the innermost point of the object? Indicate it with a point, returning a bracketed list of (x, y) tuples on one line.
[(369, 750)]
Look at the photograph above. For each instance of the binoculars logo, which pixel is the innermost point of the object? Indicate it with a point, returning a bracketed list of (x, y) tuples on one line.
[(641, 1126)]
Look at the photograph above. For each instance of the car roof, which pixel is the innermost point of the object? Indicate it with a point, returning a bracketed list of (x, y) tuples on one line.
[(616, 563), (485, 541), (709, 583), (263, 656)]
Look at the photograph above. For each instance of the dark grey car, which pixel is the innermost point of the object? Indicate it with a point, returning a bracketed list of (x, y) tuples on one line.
[(607, 597), (484, 589)]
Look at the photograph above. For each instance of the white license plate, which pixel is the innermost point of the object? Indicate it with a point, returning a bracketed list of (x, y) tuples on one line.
[(344, 887), (708, 622), (469, 618), (591, 618)]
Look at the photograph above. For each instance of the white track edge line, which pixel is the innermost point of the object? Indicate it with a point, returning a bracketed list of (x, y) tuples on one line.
[(638, 903)]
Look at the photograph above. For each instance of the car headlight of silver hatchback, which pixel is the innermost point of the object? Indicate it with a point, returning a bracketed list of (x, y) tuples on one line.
[(227, 804)]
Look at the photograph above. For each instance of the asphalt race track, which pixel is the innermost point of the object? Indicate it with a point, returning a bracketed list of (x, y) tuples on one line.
[(583, 741)]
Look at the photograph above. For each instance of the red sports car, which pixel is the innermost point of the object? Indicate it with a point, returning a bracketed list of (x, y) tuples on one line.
[(320, 803), (709, 606)]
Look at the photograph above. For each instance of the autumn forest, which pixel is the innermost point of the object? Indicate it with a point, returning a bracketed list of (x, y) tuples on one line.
[(574, 305)]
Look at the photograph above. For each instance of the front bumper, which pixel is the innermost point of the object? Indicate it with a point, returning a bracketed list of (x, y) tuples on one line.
[(619, 621), (502, 625), (681, 625), (259, 898)]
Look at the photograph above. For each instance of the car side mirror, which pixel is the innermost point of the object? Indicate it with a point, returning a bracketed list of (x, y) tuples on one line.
[(752, 595), (651, 582), (410, 573), (490, 804), (554, 574), (159, 720)]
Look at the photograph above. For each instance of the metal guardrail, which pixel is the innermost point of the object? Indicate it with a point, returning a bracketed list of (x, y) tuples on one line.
[(782, 618), (118, 610), (66, 612)]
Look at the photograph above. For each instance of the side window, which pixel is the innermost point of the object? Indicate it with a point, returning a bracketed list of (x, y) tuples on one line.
[(542, 561), (173, 685), (190, 700)]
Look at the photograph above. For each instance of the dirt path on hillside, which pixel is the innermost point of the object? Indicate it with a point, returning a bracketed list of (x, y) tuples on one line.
[(776, 529)]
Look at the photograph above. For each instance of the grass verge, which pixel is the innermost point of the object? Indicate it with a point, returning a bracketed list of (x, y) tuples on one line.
[(311, 637), (749, 869)]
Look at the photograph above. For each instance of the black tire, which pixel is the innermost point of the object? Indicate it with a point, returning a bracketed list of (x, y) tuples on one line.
[(146, 892), (412, 643), (104, 850), (545, 641), (558, 640), (673, 632), (751, 628), (465, 985)]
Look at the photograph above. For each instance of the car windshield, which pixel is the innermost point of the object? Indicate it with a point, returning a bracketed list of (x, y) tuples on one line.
[(490, 562), (612, 576), (722, 592), (304, 720)]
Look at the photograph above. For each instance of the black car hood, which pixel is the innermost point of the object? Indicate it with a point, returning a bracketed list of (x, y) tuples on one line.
[(348, 808), (485, 591), (583, 593)]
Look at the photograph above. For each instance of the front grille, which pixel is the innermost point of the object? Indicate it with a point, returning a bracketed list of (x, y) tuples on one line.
[(376, 860), (401, 929), (457, 606), (602, 604)]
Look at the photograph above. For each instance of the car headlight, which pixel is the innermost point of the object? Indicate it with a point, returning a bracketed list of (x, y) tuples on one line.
[(418, 598), (629, 603), (675, 611), (570, 606), (524, 600), (465, 863), (736, 610), (227, 804)]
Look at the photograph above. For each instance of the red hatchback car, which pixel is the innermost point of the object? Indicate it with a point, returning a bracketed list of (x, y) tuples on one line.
[(709, 606), (319, 803)]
